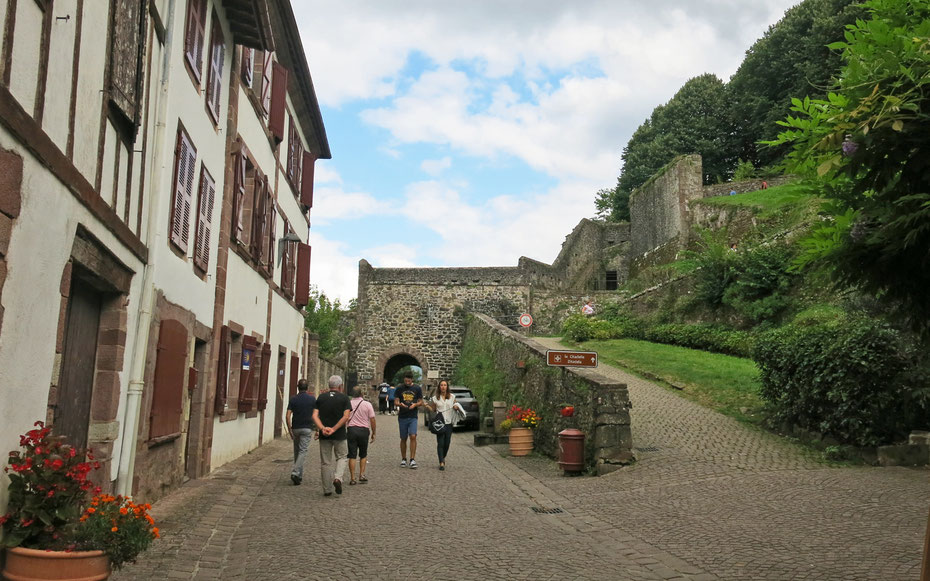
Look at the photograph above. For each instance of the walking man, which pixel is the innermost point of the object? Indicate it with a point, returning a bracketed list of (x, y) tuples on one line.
[(408, 398), (300, 426), (330, 415)]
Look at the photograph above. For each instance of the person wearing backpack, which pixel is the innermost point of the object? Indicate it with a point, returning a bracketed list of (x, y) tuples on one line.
[(383, 398)]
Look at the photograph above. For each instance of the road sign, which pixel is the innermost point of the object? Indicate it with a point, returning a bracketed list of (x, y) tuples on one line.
[(571, 358), (526, 320)]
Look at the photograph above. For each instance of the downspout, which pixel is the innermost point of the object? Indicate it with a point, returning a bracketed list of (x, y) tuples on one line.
[(128, 444)]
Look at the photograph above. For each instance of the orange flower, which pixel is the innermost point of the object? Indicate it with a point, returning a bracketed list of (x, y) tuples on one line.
[(114, 529), (123, 510), (91, 510), (155, 532), (150, 519)]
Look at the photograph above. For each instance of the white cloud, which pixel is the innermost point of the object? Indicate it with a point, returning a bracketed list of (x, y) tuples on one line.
[(335, 204), (324, 173), (434, 167), (333, 270), (394, 255)]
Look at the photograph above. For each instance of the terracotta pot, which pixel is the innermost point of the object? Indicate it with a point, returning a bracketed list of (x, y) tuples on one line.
[(521, 441), (37, 565)]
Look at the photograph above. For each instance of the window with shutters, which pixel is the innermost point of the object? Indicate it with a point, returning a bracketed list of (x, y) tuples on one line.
[(243, 184), (229, 373), (263, 377), (295, 155), (248, 65), (268, 248), (215, 71), (259, 219), (206, 198), (264, 90), (248, 374), (171, 369), (302, 284), (288, 264), (185, 159), (306, 181), (194, 32), (127, 50), (222, 372), (278, 101)]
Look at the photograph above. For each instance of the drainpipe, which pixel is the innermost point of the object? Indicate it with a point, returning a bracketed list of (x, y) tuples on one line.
[(128, 439)]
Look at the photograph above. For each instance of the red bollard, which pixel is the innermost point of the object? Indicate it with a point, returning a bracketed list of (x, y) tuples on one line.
[(571, 451)]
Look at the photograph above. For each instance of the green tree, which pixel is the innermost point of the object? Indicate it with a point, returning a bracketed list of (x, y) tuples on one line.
[(328, 319), (791, 59), (868, 148), (693, 121), (398, 378)]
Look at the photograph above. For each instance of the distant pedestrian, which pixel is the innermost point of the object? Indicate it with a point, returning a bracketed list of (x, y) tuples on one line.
[(361, 427), (732, 192), (383, 397), (588, 308), (391, 407), (299, 420), (330, 415), (765, 185), (444, 403), (408, 398)]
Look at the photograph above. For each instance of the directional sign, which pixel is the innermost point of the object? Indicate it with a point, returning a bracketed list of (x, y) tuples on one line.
[(571, 358), (526, 320)]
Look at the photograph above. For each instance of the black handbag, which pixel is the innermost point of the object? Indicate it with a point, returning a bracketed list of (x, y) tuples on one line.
[(437, 423)]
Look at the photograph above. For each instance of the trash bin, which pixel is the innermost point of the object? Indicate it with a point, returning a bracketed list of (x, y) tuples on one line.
[(571, 451)]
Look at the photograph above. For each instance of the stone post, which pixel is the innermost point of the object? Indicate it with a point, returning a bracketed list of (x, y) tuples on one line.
[(499, 415), (613, 438)]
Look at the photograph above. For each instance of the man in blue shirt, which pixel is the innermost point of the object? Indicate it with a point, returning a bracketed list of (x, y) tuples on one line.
[(300, 427), (409, 398), (391, 391)]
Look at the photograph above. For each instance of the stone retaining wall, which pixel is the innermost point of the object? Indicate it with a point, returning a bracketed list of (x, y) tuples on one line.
[(507, 366)]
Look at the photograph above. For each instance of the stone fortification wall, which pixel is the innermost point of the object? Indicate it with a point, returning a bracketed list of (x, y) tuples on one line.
[(420, 312), (659, 209), (581, 261), (522, 377), (741, 187)]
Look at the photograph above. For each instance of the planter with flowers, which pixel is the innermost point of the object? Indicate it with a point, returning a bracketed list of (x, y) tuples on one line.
[(521, 422), (54, 528)]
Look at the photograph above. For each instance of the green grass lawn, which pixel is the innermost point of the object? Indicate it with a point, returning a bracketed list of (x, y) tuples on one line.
[(727, 384)]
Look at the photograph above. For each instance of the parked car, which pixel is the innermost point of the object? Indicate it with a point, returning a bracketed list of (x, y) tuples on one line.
[(464, 396)]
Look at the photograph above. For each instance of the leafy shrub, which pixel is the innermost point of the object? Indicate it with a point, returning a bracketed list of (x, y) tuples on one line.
[(704, 337), (852, 378), (758, 291), (581, 328)]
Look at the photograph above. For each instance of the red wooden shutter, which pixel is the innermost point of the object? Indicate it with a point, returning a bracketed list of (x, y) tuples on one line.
[(278, 102), (263, 378), (248, 63), (215, 76), (302, 294), (272, 222), (306, 180), (194, 35), (258, 219), (204, 220), (168, 388), (266, 82), (239, 175), (287, 283), (222, 372), (247, 376), (295, 365), (185, 160)]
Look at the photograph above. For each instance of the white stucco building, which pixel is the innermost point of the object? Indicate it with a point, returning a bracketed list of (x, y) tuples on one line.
[(153, 155)]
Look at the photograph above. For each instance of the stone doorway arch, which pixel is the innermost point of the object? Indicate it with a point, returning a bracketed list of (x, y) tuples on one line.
[(396, 357)]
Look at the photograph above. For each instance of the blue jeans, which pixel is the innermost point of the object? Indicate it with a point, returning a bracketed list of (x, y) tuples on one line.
[(408, 427), (301, 443)]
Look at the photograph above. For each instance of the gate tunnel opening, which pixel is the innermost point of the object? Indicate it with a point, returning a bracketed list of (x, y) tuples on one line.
[(396, 363)]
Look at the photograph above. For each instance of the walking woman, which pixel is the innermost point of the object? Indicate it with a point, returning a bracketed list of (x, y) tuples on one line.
[(361, 427), (444, 402)]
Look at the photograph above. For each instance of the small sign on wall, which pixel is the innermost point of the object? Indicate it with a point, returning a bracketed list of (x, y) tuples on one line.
[(247, 355), (432, 374)]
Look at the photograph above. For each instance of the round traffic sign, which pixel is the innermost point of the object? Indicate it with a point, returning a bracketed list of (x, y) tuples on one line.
[(526, 320)]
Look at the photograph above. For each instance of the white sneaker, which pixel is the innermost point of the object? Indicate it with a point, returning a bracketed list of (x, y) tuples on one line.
[(413, 464), (403, 463)]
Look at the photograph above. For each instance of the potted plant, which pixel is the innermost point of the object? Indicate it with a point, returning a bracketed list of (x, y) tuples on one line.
[(52, 528), (522, 422)]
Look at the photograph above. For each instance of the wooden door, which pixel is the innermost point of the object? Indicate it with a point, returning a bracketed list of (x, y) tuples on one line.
[(72, 412), (279, 398)]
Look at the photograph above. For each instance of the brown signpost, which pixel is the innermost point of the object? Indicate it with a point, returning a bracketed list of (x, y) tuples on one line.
[(571, 358)]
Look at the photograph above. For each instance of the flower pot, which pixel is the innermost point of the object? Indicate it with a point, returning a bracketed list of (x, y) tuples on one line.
[(38, 565), (521, 441)]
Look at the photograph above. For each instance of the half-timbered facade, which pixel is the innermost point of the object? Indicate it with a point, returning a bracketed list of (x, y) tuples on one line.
[(153, 155)]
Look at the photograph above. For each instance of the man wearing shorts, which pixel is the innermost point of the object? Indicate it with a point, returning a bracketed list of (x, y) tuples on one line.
[(408, 398)]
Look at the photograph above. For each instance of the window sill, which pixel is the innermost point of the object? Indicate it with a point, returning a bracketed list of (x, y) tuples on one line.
[(161, 440)]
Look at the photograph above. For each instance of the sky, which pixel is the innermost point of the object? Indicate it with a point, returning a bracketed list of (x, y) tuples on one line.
[(474, 133)]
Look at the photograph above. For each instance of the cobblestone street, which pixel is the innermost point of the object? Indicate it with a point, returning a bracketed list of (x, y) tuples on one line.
[(708, 499)]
